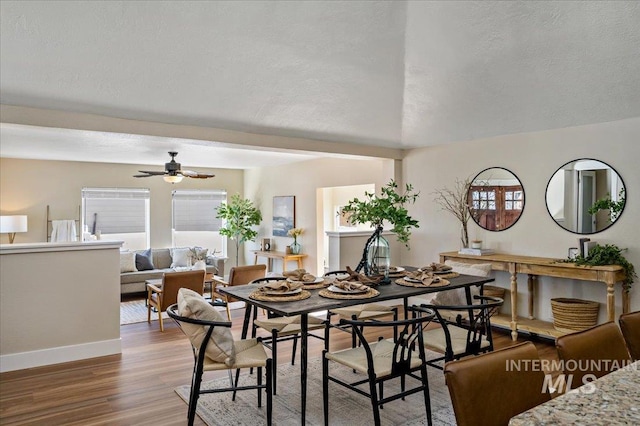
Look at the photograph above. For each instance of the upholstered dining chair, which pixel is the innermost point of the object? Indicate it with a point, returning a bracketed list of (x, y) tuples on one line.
[(239, 275), (596, 351), (485, 391), (401, 358), (281, 329), (366, 311), (454, 339), (630, 327), (166, 295), (214, 349)]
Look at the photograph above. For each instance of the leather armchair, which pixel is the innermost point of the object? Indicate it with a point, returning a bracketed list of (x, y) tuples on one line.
[(630, 327)]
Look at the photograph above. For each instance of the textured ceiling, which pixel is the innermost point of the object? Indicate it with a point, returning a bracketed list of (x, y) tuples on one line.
[(385, 74)]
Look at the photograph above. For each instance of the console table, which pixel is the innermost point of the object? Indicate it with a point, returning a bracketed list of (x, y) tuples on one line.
[(535, 266), (270, 255)]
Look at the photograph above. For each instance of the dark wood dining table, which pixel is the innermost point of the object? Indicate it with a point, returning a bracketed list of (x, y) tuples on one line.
[(317, 303)]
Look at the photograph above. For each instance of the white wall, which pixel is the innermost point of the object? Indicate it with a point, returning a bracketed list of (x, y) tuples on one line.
[(27, 186), (534, 158)]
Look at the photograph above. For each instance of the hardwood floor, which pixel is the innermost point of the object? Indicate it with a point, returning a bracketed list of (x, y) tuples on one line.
[(136, 387)]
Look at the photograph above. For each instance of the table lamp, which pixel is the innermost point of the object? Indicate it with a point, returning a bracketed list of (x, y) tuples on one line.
[(12, 224)]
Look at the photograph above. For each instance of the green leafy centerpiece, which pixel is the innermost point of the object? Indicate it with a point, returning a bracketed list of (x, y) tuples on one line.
[(389, 207), (609, 254)]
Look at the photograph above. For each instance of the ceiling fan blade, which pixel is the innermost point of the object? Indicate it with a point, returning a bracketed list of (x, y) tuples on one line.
[(195, 175), (139, 176), (152, 173), (202, 176)]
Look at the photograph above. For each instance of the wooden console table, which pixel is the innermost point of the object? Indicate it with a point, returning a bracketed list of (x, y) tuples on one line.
[(535, 266), (270, 255)]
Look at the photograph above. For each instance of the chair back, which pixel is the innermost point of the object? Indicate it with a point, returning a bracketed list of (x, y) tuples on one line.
[(408, 346), (174, 281), (630, 327), (477, 322), (241, 275), (597, 351), (486, 391)]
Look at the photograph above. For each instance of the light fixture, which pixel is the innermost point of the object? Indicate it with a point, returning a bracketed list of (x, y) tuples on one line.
[(12, 224), (172, 178)]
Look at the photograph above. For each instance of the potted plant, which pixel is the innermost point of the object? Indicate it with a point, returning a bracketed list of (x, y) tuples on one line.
[(614, 207), (455, 201), (609, 254), (388, 207), (239, 216)]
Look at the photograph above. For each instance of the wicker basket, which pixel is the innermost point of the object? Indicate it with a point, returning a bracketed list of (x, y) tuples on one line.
[(571, 315), (493, 291)]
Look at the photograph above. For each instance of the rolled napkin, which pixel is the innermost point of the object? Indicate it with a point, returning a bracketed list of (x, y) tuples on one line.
[(436, 267), (280, 286), (351, 285), (426, 277), (299, 275)]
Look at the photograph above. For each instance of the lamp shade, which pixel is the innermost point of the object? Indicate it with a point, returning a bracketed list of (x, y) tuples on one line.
[(172, 178), (11, 224)]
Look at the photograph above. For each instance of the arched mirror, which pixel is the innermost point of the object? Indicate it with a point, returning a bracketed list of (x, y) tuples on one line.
[(585, 196), (495, 199)]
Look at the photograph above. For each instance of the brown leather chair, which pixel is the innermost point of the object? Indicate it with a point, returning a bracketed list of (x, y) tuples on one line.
[(597, 350), (630, 327), (239, 275), (485, 392), (166, 295)]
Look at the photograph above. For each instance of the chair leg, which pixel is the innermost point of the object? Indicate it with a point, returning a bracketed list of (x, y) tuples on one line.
[(293, 352), (160, 320), (228, 309), (148, 312), (374, 402), (427, 398), (269, 389), (193, 398), (274, 356), (325, 388), (233, 397), (259, 379)]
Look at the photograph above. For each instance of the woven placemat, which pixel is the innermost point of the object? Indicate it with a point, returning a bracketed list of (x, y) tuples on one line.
[(441, 283), (372, 292), (256, 295)]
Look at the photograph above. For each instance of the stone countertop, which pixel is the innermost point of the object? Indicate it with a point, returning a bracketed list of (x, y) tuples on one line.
[(613, 399)]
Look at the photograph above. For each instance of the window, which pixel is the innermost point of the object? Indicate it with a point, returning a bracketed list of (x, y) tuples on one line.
[(194, 219), (117, 214)]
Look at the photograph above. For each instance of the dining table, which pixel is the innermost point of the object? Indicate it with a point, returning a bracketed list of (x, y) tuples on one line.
[(612, 399), (315, 303)]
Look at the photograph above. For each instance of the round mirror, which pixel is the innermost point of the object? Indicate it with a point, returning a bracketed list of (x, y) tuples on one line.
[(495, 199), (585, 196)]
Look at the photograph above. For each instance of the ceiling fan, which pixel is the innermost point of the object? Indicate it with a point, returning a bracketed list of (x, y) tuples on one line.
[(172, 172)]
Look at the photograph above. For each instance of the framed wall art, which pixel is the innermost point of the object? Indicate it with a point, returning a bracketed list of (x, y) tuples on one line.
[(284, 215)]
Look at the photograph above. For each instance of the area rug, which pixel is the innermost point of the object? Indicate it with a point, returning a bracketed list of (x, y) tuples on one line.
[(345, 406), (135, 311)]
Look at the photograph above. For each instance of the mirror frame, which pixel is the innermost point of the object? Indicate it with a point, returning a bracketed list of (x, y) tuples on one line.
[(546, 196), (470, 201)]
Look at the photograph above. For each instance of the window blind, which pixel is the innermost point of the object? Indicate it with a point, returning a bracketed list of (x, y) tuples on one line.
[(196, 210), (116, 210)]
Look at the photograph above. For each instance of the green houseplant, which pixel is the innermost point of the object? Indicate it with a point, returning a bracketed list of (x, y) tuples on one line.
[(239, 216), (609, 254), (388, 207), (614, 207)]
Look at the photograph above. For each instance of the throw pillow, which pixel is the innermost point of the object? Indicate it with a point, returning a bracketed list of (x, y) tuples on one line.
[(220, 347), (127, 261), (180, 257), (144, 261), (457, 296)]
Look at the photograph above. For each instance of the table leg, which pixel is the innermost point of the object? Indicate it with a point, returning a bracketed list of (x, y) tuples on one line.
[(299, 263), (247, 319), (611, 302), (514, 304), (304, 328), (531, 283)]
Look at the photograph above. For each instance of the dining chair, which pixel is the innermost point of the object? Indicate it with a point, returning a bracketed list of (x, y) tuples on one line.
[(456, 339), (238, 275), (594, 352), (281, 329), (398, 358), (214, 349), (166, 295), (630, 327), (366, 311), (491, 388)]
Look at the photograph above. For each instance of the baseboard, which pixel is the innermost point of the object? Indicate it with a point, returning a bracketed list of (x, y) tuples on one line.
[(22, 360)]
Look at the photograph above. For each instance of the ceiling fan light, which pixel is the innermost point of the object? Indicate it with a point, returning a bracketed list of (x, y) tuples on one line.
[(172, 179)]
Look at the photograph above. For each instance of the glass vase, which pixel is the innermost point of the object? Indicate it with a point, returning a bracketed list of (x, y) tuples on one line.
[(295, 248), (379, 256)]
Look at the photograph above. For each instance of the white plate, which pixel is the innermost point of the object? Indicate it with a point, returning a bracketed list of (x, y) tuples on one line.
[(338, 277), (316, 281), (397, 270), (335, 289), (282, 293), (412, 280)]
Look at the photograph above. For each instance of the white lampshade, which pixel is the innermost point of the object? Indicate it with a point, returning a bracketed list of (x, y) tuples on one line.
[(172, 178), (10, 224)]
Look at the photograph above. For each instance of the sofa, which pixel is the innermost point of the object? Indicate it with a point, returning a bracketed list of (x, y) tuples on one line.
[(133, 280)]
